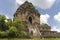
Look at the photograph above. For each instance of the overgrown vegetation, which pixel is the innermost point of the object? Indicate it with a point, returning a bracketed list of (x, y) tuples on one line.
[(11, 29)]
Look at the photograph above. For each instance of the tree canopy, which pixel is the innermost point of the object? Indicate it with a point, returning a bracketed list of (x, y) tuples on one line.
[(9, 28)]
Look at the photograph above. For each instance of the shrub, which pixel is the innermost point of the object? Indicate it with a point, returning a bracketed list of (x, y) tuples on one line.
[(3, 34), (12, 32)]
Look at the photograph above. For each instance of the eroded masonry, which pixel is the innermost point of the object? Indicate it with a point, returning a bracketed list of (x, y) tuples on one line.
[(31, 20)]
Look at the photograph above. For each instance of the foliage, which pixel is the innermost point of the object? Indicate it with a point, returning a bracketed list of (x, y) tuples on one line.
[(3, 34), (3, 26), (22, 34), (12, 32), (18, 24), (9, 22), (20, 27), (2, 17), (9, 28)]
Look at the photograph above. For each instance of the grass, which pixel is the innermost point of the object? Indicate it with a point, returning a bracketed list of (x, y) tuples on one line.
[(30, 39)]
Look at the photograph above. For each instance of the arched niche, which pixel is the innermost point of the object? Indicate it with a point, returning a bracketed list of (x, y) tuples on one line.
[(30, 20)]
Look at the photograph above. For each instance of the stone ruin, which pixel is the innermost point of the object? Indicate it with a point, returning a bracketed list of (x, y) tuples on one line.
[(31, 21)]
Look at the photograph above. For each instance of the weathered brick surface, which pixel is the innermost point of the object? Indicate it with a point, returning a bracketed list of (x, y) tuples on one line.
[(31, 20)]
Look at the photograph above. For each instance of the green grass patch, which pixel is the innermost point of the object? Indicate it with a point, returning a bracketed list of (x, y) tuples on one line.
[(30, 39)]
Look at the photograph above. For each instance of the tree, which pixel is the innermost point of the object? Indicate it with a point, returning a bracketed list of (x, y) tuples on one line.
[(9, 22), (12, 32), (3, 26), (9, 28), (3, 34), (2, 17), (18, 24), (20, 27)]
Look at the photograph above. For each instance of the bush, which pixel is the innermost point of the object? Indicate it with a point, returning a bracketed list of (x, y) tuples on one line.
[(22, 34), (18, 24), (12, 32), (11, 29), (3, 34)]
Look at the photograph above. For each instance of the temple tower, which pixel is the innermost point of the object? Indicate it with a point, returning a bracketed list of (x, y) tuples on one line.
[(30, 18)]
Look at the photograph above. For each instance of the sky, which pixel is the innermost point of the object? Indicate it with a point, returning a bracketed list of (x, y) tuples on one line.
[(49, 10)]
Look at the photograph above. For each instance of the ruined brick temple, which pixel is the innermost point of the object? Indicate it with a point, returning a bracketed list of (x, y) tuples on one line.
[(31, 20)]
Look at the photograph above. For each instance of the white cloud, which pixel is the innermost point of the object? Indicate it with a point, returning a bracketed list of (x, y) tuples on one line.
[(20, 1), (44, 19), (7, 17), (57, 17), (44, 4), (54, 28)]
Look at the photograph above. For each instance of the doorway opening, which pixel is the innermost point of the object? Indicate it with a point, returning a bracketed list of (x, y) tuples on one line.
[(30, 20)]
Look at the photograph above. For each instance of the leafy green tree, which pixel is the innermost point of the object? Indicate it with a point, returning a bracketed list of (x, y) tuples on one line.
[(3, 34), (18, 24), (12, 32), (3, 26), (20, 27), (9, 28), (2, 17), (9, 23)]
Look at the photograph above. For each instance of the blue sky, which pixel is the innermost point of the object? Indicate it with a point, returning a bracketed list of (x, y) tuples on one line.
[(49, 10)]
